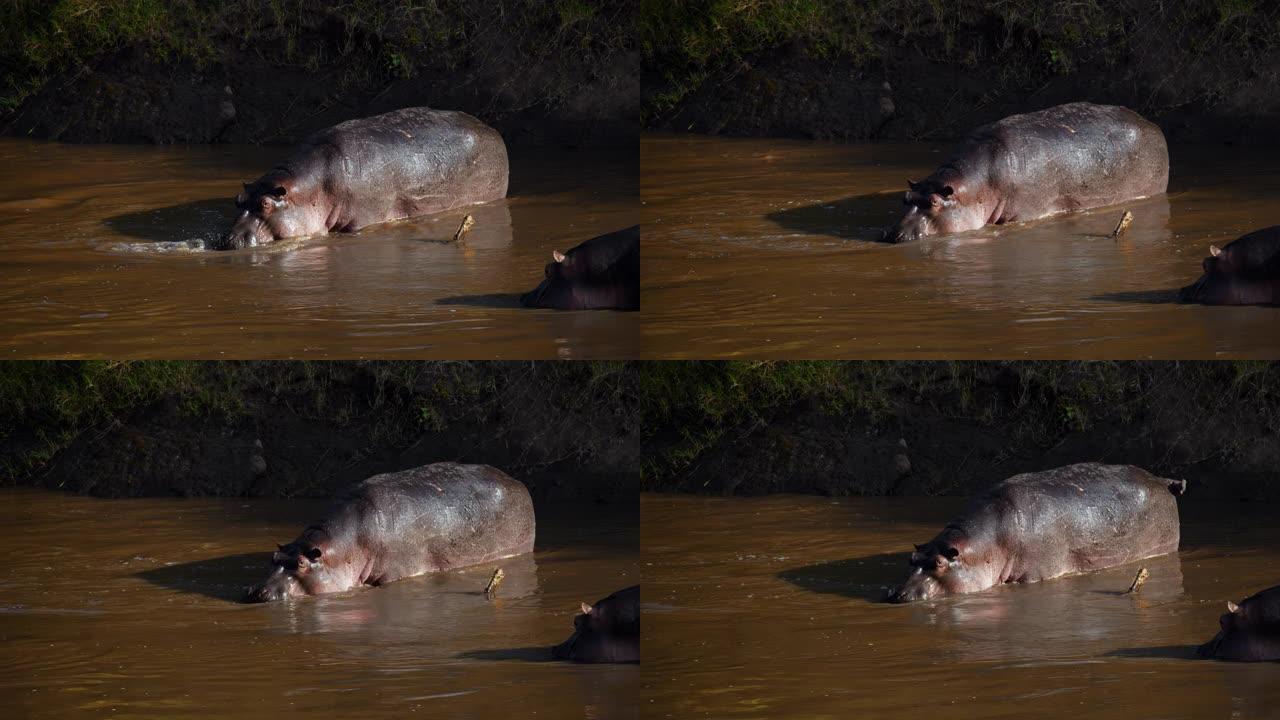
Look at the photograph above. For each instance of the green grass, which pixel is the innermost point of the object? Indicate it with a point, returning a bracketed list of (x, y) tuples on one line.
[(44, 406), (688, 408), (358, 41), (690, 44)]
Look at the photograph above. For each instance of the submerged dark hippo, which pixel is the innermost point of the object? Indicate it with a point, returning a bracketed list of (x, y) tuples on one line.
[(362, 172), (607, 632), (1245, 272), (1038, 526), (401, 524), (1024, 167), (601, 273), (1250, 631)]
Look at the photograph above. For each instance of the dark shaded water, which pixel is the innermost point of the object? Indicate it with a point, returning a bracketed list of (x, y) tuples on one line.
[(770, 608), (762, 248), (125, 608), (97, 263)]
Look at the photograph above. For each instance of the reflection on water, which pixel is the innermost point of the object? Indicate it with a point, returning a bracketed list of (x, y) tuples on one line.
[(771, 608), (127, 607), (764, 248), (101, 258)]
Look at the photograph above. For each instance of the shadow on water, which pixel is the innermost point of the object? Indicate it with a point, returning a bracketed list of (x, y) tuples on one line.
[(1175, 652), (524, 654), (861, 217), (200, 219), (223, 578), (863, 578), (1141, 297), (490, 300)]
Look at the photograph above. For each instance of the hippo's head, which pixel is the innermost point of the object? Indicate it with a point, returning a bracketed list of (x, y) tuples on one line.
[(264, 217), (931, 567), (932, 209), (299, 570)]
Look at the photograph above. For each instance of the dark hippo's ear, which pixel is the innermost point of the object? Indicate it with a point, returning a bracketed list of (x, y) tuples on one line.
[(913, 185), (922, 548)]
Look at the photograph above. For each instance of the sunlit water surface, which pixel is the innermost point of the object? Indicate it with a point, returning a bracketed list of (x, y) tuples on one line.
[(765, 248), (770, 608), (126, 608), (97, 260)]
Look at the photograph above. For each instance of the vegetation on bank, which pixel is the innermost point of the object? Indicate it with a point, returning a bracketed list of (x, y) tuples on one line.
[(355, 42), (689, 409), (45, 406), (688, 45)]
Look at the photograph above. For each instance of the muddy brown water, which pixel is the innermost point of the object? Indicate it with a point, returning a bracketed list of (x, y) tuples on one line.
[(125, 608), (763, 248), (97, 262), (769, 608)]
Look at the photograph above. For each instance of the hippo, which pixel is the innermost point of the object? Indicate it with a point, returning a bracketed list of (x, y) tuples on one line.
[(600, 273), (1245, 272), (1024, 167), (607, 632), (402, 164), (397, 525), (1250, 631), (1038, 526)]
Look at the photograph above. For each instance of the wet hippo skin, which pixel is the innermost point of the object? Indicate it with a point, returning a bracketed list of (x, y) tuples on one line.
[(402, 164), (1038, 526), (1245, 272), (1250, 631), (1024, 167), (401, 524), (607, 632), (601, 273)]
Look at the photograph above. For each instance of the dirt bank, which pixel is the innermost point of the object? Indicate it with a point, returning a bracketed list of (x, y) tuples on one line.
[(562, 72), (1204, 70), (927, 428), (568, 430)]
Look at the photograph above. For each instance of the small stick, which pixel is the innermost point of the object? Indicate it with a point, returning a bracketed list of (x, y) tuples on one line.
[(467, 222), (1125, 221), (496, 580), (1138, 580)]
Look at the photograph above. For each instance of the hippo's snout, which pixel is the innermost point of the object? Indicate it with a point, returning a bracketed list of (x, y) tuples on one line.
[(262, 593), (920, 586), (249, 231), (279, 586)]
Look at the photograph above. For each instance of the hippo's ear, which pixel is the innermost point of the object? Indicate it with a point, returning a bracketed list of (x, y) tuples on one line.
[(922, 548), (1232, 607), (586, 609), (1214, 250), (913, 185), (557, 256)]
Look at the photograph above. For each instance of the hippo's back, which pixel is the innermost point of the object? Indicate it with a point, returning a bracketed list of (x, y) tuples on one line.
[(1088, 516), (428, 160), (445, 514), (1074, 156)]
